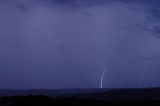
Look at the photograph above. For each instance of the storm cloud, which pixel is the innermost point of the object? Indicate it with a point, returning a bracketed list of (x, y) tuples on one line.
[(65, 43)]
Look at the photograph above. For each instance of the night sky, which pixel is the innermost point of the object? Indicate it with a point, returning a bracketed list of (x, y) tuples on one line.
[(61, 44)]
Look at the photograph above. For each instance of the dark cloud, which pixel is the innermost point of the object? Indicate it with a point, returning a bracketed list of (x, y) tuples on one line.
[(65, 43)]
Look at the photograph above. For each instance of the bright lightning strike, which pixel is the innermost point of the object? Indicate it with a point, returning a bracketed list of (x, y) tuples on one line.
[(102, 76)]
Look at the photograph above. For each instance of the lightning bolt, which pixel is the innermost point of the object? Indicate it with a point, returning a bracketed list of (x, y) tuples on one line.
[(102, 76), (143, 74)]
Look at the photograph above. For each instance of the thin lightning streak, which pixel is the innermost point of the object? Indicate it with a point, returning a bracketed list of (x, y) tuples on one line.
[(102, 76), (143, 74)]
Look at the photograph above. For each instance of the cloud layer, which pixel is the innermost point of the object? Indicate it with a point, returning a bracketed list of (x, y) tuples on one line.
[(65, 43)]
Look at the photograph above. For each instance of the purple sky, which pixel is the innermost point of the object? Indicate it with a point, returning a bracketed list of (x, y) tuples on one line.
[(57, 44)]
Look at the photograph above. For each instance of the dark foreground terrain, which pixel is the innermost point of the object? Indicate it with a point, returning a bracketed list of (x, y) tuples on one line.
[(115, 97)]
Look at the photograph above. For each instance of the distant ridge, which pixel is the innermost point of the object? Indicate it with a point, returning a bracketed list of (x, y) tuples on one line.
[(96, 94), (142, 94), (48, 92)]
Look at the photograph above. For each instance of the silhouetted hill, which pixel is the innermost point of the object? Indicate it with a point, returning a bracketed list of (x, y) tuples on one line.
[(122, 95), (48, 92), (114, 97)]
